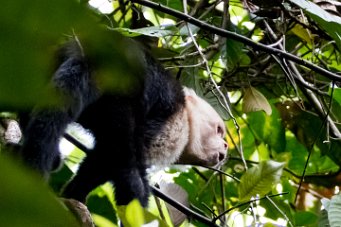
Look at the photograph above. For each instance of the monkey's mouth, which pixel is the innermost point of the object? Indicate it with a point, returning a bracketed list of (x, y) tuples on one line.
[(210, 161), (214, 159)]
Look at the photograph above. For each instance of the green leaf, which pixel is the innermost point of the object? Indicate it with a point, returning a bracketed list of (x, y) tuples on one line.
[(254, 100), (101, 221), (30, 36), (298, 154), (101, 202), (29, 32), (132, 215), (268, 129), (59, 178), (303, 33), (27, 201), (190, 78), (281, 204), (216, 102), (184, 30), (326, 21), (305, 218), (337, 95), (233, 54), (258, 180)]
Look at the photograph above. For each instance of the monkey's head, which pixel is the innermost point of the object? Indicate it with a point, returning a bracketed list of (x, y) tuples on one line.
[(206, 145)]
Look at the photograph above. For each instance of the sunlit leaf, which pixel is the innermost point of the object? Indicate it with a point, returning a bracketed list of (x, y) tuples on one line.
[(102, 221), (101, 202), (258, 180), (132, 214), (303, 33), (254, 100)]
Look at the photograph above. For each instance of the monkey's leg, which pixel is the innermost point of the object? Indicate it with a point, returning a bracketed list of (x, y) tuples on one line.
[(90, 175)]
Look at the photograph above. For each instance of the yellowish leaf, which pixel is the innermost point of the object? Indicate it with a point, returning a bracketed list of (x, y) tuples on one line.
[(132, 214), (303, 33), (254, 101)]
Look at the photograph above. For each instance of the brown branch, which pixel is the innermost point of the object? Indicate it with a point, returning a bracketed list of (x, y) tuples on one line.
[(237, 37)]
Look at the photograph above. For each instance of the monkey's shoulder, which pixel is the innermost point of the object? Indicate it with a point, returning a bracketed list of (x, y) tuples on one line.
[(167, 145)]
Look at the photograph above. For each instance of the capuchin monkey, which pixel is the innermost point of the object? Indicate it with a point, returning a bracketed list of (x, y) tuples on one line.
[(158, 122)]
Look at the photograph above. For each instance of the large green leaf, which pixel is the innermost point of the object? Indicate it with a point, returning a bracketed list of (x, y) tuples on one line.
[(326, 21), (305, 218), (134, 214), (258, 180), (233, 54), (30, 36), (268, 129), (26, 201), (309, 129), (28, 31)]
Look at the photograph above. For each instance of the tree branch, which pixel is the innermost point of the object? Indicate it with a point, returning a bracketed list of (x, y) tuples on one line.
[(237, 37), (155, 191), (182, 208)]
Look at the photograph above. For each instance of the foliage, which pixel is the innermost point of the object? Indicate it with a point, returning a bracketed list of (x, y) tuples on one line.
[(26, 200), (278, 58)]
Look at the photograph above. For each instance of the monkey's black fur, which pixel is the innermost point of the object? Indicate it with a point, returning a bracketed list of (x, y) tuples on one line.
[(123, 124)]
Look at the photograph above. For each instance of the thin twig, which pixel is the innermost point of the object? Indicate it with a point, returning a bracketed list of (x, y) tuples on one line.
[(237, 37), (225, 104), (245, 203), (182, 208)]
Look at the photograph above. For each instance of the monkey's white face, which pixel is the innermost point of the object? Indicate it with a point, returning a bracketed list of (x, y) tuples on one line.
[(206, 145)]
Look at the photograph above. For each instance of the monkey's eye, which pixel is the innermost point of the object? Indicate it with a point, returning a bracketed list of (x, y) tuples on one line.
[(220, 131)]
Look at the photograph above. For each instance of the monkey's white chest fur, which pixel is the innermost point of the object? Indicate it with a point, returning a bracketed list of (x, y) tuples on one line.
[(167, 147)]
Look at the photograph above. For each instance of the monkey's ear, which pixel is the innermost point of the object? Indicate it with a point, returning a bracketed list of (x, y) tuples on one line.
[(189, 91), (190, 95)]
